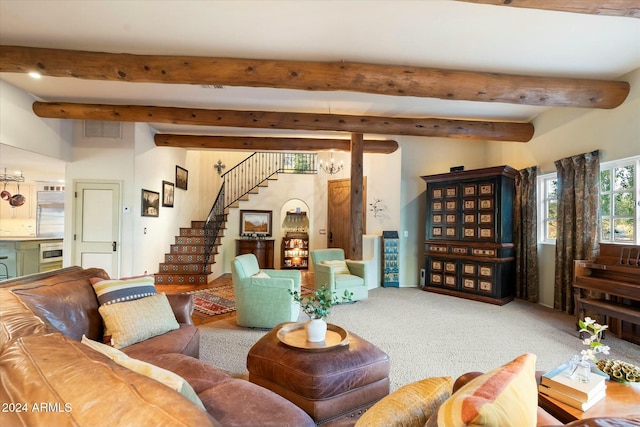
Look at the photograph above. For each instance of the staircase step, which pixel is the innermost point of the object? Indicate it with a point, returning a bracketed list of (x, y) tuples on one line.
[(188, 258), (195, 240), (255, 190), (166, 268), (183, 279), (195, 232), (190, 249), (264, 183)]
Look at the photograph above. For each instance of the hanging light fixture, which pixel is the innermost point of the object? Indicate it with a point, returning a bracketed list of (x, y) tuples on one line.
[(331, 168)]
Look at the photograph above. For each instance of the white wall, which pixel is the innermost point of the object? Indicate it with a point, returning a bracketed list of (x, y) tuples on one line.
[(23, 129)]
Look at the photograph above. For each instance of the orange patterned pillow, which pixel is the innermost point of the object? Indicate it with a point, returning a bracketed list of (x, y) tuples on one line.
[(506, 396)]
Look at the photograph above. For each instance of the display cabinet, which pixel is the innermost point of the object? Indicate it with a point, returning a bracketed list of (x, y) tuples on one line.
[(391, 269), (295, 251), (469, 250)]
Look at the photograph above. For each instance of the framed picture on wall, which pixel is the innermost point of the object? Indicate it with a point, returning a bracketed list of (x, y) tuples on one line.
[(255, 222), (182, 177), (150, 203), (167, 194)]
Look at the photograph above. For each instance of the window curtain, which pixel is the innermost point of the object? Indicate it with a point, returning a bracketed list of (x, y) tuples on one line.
[(578, 180), (526, 234)]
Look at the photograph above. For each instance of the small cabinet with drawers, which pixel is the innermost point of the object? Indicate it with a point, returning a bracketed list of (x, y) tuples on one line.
[(469, 249)]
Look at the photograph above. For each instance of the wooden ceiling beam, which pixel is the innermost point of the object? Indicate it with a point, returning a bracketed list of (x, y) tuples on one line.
[(257, 143), (316, 76), (627, 8), (445, 128)]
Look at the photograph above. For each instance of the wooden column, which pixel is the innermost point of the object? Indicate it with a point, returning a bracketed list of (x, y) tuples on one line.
[(357, 194)]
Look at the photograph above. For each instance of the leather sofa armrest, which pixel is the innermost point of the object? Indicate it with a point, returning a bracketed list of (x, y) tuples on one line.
[(182, 306)]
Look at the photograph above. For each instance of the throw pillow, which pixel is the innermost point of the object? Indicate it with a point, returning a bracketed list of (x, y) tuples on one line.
[(113, 291), (261, 275), (505, 396), (410, 405), (340, 267), (133, 321), (168, 378)]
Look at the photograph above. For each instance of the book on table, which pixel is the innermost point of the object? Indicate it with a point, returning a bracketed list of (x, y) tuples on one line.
[(573, 402), (559, 379)]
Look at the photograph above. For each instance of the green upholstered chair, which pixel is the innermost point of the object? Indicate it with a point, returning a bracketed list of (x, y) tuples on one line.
[(263, 302), (327, 273)]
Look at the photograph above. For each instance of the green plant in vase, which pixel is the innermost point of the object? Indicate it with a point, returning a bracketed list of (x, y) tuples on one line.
[(318, 306)]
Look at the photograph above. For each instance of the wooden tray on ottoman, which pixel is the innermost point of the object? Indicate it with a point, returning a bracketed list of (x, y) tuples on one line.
[(294, 335)]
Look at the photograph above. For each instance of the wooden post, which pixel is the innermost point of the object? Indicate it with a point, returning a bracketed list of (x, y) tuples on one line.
[(357, 194)]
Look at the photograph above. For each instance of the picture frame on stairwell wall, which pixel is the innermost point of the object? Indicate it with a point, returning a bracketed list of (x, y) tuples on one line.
[(168, 190), (255, 223), (150, 203), (182, 178)]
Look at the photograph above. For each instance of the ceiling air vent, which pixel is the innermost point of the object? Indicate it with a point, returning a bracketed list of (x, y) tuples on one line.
[(102, 129)]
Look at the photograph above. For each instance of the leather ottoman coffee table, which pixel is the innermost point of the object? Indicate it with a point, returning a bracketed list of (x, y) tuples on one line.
[(339, 382)]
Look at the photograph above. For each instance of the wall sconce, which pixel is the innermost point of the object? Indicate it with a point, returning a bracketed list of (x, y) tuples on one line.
[(219, 166), (331, 167)]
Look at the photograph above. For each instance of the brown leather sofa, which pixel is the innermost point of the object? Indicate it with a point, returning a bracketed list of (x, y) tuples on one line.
[(50, 378)]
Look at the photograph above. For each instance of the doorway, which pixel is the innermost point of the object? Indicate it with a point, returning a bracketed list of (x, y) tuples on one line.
[(339, 213)]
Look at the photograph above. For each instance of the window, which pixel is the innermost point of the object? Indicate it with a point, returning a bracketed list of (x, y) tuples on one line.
[(619, 206), (619, 211), (548, 208)]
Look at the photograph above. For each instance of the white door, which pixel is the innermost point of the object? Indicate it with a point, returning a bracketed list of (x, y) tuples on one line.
[(97, 226)]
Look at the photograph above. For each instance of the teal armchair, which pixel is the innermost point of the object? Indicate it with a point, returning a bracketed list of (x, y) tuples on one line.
[(263, 302), (327, 273)]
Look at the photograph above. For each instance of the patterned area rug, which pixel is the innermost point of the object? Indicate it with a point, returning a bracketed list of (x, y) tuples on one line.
[(219, 300)]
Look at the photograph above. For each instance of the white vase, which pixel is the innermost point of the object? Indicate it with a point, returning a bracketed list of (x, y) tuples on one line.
[(316, 330)]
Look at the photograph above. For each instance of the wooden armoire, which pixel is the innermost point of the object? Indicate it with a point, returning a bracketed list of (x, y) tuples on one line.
[(469, 250)]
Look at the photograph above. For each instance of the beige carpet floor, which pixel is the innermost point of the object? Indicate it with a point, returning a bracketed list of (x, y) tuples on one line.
[(427, 334)]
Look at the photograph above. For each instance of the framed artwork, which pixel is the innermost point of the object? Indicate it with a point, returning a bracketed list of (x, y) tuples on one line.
[(182, 178), (150, 203), (167, 194), (255, 222)]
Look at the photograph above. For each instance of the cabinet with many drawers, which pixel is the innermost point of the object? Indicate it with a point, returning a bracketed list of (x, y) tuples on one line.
[(469, 250)]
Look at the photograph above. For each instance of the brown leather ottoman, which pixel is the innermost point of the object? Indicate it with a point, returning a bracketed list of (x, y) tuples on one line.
[(325, 384)]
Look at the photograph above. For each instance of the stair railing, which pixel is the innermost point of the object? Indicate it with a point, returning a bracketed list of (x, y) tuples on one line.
[(247, 175)]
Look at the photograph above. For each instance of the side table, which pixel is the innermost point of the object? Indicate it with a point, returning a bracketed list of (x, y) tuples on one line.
[(622, 400)]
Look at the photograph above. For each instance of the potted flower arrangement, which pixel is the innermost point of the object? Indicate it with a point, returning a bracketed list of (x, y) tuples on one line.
[(318, 306), (582, 364)]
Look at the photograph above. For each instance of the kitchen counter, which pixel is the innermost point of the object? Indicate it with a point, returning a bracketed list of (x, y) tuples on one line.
[(23, 254), (12, 239)]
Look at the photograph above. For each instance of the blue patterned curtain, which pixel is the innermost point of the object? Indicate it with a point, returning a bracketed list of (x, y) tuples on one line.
[(526, 234), (578, 180)]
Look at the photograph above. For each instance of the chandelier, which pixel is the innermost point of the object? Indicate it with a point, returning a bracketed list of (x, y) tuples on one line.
[(331, 168)]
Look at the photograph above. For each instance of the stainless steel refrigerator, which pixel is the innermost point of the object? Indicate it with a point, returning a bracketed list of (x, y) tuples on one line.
[(50, 214)]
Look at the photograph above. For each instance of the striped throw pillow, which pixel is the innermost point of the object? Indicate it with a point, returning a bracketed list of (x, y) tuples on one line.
[(506, 396), (112, 291)]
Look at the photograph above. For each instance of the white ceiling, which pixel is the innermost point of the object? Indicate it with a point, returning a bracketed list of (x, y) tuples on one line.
[(440, 34)]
